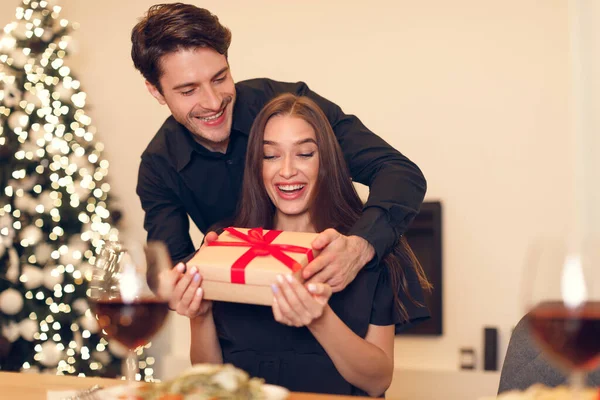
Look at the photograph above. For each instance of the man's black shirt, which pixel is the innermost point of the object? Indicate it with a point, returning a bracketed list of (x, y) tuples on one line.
[(178, 176)]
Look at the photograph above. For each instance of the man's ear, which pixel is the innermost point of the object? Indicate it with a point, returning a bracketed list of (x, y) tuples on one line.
[(155, 93)]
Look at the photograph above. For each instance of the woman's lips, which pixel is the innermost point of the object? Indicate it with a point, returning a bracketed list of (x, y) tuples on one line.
[(290, 191)]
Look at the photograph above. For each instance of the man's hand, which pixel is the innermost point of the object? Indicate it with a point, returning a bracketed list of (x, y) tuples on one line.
[(210, 237), (341, 258)]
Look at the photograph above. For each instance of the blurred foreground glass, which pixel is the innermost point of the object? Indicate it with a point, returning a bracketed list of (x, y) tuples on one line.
[(125, 296), (562, 297)]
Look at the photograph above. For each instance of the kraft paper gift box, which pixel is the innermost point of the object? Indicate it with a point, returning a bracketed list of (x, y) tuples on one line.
[(241, 264)]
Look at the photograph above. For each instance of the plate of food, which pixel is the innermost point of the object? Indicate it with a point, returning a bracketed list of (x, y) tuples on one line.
[(541, 392), (201, 382)]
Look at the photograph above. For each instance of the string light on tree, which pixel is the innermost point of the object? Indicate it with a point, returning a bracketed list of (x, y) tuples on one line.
[(55, 203)]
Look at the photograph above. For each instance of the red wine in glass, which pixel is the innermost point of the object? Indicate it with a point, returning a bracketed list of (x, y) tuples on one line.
[(562, 298), (571, 336), (126, 294), (130, 323)]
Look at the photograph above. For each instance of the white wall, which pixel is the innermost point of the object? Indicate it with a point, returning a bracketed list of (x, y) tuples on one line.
[(476, 93), (585, 89)]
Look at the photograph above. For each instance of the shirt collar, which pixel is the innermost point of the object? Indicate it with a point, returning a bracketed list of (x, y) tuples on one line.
[(179, 143), (245, 110)]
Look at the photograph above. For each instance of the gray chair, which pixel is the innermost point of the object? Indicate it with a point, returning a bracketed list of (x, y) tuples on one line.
[(524, 364)]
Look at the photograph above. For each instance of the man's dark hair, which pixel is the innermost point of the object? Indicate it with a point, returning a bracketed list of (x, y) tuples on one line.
[(167, 28)]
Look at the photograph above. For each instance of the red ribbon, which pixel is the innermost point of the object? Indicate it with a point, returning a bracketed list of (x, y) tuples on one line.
[(260, 245)]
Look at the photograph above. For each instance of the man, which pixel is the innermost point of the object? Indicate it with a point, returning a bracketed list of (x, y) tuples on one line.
[(194, 164)]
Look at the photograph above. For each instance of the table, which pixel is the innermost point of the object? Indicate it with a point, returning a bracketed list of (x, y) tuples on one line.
[(29, 386)]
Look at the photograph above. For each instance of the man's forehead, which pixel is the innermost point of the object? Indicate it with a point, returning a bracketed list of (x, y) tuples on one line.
[(198, 64)]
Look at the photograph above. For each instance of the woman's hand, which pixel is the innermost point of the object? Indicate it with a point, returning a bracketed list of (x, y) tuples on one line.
[(296, 305), (185, 291)]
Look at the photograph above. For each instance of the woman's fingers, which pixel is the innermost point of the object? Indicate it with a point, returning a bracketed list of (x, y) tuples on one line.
[(194, 284), (278, 315), (294, 302), (167, 280), (276, 311), (287, 312), (187, 296), (196, 303), (180, 288), (311, 309), (192, 278), (300, 313), (321, 292)]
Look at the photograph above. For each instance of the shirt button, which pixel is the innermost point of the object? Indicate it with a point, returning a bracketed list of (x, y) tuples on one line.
[(229, 162)]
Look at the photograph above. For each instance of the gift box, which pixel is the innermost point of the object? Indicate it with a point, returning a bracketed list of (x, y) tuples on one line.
[(241, 264)]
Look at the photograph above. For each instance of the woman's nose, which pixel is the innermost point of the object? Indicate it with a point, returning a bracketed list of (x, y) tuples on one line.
[(288, 169)]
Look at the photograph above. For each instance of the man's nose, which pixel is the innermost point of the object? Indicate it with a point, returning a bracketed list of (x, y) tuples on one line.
[(211, 100)]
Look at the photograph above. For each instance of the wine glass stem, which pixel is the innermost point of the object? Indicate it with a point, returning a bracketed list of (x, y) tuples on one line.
[(577, 382), (131, 365)]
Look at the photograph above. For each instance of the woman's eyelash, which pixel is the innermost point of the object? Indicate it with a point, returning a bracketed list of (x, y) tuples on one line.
[(303, 155)]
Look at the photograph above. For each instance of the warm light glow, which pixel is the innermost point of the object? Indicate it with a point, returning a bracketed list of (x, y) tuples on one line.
[(61, 172), (130, 285), (573, 289)]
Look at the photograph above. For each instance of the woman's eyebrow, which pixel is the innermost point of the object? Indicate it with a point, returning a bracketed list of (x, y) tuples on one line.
[(301, 141)]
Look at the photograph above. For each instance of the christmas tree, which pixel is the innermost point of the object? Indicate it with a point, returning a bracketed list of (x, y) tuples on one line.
[(55, 207)]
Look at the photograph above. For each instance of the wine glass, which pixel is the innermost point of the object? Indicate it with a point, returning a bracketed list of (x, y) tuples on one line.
[(126, 297), (562, 292)]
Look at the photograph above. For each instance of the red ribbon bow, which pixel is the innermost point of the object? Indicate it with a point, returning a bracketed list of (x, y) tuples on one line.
[(260, 245)]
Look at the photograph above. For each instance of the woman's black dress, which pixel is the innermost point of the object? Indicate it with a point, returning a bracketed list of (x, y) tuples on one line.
[(291, 357)]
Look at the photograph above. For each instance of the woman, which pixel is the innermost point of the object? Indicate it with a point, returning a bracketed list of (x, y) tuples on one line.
[(296, 179)]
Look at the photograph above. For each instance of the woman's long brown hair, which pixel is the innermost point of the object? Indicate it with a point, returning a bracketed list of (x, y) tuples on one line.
[(335, 203)]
